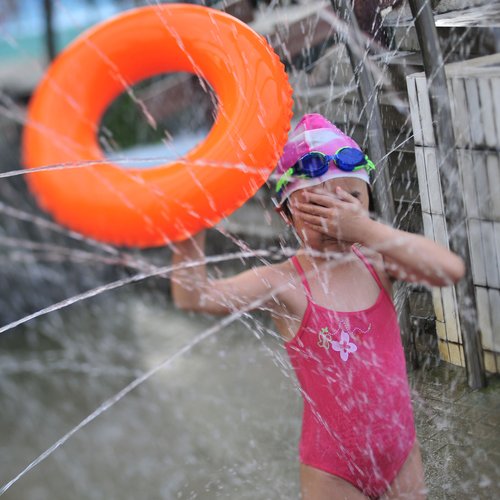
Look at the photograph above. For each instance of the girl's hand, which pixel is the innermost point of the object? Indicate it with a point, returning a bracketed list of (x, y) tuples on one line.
[(192, 248), (338, 215)]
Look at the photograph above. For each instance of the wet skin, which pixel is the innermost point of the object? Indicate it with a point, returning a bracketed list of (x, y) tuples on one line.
[(328, 220), (305, 222)]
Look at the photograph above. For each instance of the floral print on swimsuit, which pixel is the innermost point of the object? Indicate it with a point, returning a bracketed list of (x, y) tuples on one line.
[(344, 346)]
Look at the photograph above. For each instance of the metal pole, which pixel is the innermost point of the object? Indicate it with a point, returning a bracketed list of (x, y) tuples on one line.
[(450, 181), (50, 44), (383, 199), (367, 88)]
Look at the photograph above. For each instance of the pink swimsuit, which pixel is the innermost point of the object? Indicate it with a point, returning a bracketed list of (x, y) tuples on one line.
[(358, 419)]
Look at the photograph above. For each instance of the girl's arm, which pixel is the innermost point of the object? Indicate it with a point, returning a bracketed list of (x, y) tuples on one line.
[(193, 290), (407, 256), (412, 257)]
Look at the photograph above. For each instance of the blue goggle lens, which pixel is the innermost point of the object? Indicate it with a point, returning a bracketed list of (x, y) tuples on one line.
[(315, 164), (312, 165)]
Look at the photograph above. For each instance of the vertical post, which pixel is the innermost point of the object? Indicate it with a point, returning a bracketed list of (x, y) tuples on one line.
[(367, 88), (450, 181), (50, 44), (383, 199)]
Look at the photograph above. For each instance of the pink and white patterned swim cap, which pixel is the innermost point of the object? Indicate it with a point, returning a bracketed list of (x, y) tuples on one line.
[(315, 133)]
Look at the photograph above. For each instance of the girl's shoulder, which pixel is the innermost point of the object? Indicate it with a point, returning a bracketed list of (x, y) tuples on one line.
[(267, 286), (372, 256), (278, 273), (377, 262), (280, 278)]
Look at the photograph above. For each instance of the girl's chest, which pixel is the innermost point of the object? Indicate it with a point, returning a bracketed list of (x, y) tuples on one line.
[(342, 291), (332, 304), (326, 338)]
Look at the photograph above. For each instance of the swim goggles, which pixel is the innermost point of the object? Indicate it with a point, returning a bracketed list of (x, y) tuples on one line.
[(316, 164)]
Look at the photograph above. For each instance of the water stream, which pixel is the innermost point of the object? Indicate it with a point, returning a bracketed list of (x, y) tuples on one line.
[(107, 390)]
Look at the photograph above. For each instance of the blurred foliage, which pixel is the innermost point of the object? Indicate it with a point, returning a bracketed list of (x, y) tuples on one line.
[(155, 109), (125, 125)]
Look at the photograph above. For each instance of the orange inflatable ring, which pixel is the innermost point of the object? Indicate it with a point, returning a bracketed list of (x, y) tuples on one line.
[(155, 206)]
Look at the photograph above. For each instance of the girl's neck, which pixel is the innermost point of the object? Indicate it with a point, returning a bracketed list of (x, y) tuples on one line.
[(333, 250)]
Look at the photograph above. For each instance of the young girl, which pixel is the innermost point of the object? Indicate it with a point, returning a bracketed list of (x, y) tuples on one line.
[(332, 305)]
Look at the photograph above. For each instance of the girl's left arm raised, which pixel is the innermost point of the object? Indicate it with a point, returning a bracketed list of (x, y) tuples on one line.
[(407, 256), (412, 257)]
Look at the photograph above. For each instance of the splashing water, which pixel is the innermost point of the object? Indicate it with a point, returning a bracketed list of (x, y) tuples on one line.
[(109, 392)]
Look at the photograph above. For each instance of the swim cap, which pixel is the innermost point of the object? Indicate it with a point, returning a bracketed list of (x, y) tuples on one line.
[(315, 133)]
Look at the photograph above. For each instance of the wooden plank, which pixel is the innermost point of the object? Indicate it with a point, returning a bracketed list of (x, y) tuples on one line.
[(489, 252), (411, 85), (478, 166), (489, 362), (473, 66), (476, 250), (457, 316), (486, 15), (487, 112), (433, 181), (494, 296), (271, 22), (495, 91), (468, 182), (493, 172), (496, 231), (443, 346), (428, 226), (438, 304), (474, 111), (450, 314), (424, 107), (456, 354), (459, 112), (440, 230), (441, 331), (422, 179), (484, 317)]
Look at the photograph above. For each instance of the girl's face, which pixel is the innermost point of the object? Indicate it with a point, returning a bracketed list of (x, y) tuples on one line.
[(311, 238)]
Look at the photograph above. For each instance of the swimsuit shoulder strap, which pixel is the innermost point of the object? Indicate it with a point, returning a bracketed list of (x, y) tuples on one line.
[(370, 268), (302, 275)]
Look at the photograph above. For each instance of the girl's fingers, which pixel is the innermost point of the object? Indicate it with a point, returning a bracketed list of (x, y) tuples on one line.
[(315, 220), (312, 209), (324, 200), (317, 223), (319, 227), (344, 195), (320, 230)]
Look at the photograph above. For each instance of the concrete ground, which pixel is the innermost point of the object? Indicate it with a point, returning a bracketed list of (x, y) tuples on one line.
[(459, 433), (220, 420)]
